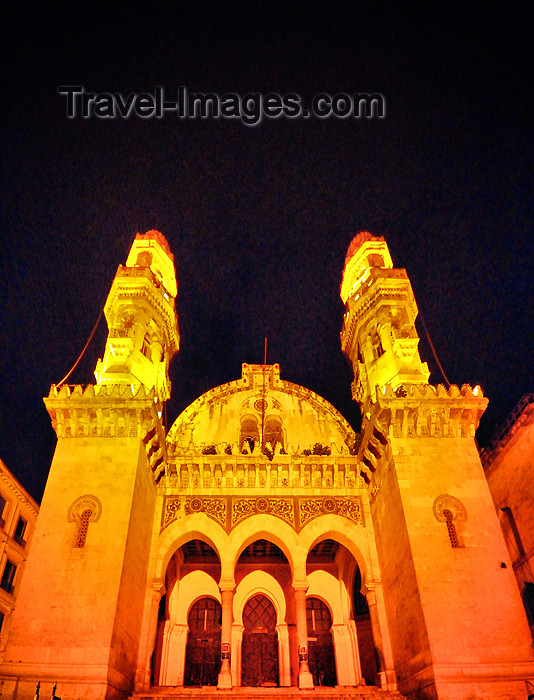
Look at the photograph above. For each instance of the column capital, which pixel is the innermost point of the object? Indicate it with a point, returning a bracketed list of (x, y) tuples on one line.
[(300, 585), (227, 585)]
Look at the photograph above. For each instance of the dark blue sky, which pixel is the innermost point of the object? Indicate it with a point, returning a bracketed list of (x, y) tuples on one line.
[(259, 218)]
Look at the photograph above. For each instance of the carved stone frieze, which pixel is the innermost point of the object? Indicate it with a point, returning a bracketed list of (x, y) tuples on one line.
[(229, 511), (171, 510), (280, 507), (349, 507)]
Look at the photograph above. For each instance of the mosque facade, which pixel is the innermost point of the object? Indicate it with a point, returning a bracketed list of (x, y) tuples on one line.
[(260, 542)]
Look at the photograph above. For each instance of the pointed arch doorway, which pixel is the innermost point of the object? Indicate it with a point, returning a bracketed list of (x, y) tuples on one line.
[(320, 645), (259, 652), (202, 657)]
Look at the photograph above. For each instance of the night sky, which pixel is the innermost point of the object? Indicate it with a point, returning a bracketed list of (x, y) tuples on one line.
[(260, 217)]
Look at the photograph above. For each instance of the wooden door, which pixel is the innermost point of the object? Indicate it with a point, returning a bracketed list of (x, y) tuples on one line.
[(321, 657), (259, 649), (203, 650)]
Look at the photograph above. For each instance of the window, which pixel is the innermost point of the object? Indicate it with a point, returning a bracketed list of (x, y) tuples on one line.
[(145, 348), (7, 577), (20, 530), (1, 620), (83, 527), (250, 433), (378, 350), (453, 537)]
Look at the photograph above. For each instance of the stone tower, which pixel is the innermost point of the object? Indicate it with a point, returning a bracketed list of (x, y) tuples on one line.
[(455, 619), (81, 601)]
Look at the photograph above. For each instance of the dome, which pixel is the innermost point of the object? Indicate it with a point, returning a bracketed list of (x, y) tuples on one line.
[(260, 410)]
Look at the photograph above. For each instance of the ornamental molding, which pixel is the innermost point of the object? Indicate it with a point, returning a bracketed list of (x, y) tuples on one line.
[(450, 503), (19, 492), (229, 511), (83, 503)]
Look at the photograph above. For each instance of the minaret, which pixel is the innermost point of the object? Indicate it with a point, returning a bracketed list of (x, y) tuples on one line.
[(80, 605), (143, 332), (455, 619), (379, 334)]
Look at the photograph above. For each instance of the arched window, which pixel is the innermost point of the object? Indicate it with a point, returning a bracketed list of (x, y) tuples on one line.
[(250, 432), (273, 433), (83, 526), (450, 510)]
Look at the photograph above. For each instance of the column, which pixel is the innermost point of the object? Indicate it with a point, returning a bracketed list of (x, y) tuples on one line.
[(305, 677), (283, 655), (377, 611), (227, 600)]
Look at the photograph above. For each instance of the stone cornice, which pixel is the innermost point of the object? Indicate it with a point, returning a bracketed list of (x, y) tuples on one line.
[(18, 490), (417, 411), (423, 410), (229, 511), (110, 411)]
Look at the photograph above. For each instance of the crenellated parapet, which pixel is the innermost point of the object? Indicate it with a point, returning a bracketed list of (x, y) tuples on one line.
[(423, 410), (110, 411), (418, 411)]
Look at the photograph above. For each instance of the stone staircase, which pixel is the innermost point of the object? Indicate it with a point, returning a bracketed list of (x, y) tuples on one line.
[(321, 693)]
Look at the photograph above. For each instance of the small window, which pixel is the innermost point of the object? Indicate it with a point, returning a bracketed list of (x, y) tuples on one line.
[(376, 343), (451, 529), (375, 260), (2, 616), (19, 532), (83, 527), (145, 348), (8, 576)]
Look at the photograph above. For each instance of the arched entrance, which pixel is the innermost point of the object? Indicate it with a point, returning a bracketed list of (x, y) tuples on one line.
[(259, 652), (202, 656), (321, 657)]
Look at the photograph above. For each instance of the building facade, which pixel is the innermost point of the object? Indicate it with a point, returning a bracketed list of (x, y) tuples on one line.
[(18, 515), (260, 541), (509, 467)]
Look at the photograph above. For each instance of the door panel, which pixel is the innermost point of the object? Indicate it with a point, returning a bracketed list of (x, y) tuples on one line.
[(321, 657), (259, 649), (202, 656)]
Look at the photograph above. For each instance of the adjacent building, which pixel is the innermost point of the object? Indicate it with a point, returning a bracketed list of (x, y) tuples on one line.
[(509, 467), (18, 514)]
